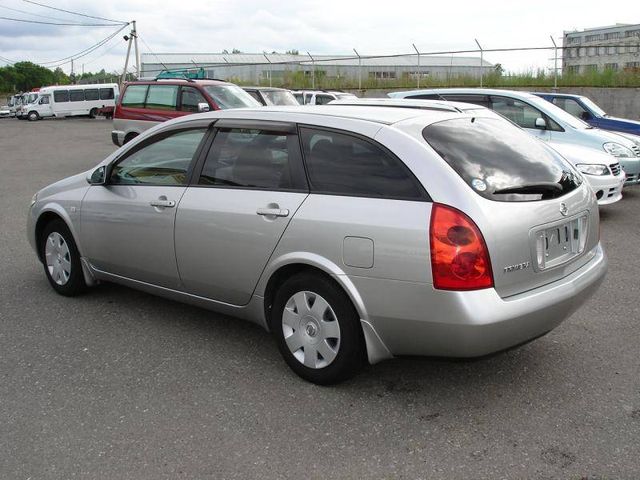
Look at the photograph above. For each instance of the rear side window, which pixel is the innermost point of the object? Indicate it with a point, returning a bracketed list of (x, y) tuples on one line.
[(250, 158), (323, 99), (500, 161), (60, 96), (91, 94), (106, 94), (134, 96), (343, 164), (76, 95), (162, 97)]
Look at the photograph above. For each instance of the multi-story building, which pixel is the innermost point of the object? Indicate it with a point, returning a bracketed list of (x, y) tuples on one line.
[(616, 48)]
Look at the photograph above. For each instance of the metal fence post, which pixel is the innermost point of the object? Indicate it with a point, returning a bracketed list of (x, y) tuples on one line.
[(359, 70), (313, 72), (481, 61), (419, 72), (555, 64)]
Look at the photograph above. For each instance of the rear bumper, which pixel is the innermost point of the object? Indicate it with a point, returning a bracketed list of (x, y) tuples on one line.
[(117, 137), (608, 189), (415, 319)]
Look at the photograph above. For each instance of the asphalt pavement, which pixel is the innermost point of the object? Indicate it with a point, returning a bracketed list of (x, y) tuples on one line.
[(118, 384)]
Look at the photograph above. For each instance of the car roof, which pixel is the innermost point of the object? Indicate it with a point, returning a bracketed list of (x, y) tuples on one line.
[(266, 89), (373, 114), (477, 91), (555, 94), (179, 81), (410, 103)]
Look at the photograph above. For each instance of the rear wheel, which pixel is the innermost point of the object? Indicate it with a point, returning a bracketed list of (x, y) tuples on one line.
[(61, 259), (317, 329), (93, 113)]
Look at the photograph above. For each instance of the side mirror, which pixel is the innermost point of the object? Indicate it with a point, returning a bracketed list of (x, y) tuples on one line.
[(541, 123), (98, 177), (203, 107), (585, 116)]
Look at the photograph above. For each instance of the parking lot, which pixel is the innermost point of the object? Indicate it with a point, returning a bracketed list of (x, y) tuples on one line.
[(121, 384)]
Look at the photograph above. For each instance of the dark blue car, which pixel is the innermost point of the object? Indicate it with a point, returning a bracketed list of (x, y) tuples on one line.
[(586, 110)]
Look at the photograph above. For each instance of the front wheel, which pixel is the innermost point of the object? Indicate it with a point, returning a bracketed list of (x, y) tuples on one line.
[(61, 259), (317, 329), (33, 116)]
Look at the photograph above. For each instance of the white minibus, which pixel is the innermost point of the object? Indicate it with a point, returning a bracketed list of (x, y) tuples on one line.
[(72, 100)]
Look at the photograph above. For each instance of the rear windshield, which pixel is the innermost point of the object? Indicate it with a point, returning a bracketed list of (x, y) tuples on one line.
[(500, 161)]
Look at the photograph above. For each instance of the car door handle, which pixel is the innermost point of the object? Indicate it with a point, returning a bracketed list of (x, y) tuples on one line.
[(273, 212), (163, 203)]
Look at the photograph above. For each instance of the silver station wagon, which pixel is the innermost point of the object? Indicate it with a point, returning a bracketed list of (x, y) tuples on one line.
[(351, 233)]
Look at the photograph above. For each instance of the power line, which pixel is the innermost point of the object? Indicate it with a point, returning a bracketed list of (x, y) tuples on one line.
[(59, 24), (102, 54), (73, 13), (32, 14), (152, 52), (84, 52)]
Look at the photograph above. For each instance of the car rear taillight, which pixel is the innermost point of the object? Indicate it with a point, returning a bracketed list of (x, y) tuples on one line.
[(459, 256)]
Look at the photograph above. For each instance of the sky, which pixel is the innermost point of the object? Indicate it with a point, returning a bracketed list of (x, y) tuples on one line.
[(317, 26)]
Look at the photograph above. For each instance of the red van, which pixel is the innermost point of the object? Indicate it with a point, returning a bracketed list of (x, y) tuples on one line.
[(144, 104)]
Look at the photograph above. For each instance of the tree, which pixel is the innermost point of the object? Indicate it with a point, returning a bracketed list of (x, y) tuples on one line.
[(23, 76), (293, 51), (235, 50)]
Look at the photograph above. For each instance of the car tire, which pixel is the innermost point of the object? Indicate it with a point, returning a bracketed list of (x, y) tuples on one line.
[(93, 113), (33, 116), (61, 259), (317, 329)]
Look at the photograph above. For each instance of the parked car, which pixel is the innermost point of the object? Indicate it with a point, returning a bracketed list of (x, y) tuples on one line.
[(348, 232), (71, 100), (603, 173), (271, 95), (5, 112), (543, 120), (585, 109), (320, 97), (146, 103)]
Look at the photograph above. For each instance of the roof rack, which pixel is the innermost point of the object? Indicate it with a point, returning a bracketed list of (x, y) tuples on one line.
[(185, 74)]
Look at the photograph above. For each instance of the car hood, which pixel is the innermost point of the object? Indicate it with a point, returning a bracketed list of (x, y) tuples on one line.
[(76, 183), (578, 154), (625, 121)]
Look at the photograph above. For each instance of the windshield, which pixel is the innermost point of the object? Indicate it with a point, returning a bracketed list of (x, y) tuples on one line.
[(500, 161), (31, 97), (558, 114), (11, 101), (230, 96), (593, 107), (279, 97)]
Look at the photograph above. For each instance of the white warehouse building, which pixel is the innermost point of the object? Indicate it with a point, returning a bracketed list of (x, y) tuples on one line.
[(257, 67)]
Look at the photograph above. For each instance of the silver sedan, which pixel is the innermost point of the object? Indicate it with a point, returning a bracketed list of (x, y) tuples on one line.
[(351, 233)]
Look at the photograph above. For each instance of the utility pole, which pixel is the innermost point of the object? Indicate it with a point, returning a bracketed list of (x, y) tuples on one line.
[(128, 38), (72, 76), (481, 61), (555, 64), (359, 70), (419, 72), (134, 34)]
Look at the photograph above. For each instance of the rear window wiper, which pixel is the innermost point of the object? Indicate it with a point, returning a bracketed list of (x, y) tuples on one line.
[(546, 189)]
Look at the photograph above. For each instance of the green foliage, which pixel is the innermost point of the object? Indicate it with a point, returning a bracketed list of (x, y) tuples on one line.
[(24, 76)]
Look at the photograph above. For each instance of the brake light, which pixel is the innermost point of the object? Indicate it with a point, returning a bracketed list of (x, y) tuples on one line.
[(459, 256)]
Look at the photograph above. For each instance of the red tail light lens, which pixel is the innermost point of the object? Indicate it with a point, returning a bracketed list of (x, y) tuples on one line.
[(459, 256)]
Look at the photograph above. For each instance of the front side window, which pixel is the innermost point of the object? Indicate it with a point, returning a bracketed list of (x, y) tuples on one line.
[(91, 94), (162, 97), (250, 158), (343, 164), (44, 100), (519, 112), (500, 161), (191, 97), (323, 99), (134, 96), (76, 95), (106, 94), (571, 106), (163, 162)]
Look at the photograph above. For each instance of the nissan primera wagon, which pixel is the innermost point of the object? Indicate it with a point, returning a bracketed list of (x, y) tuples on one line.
[(350, 233)]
